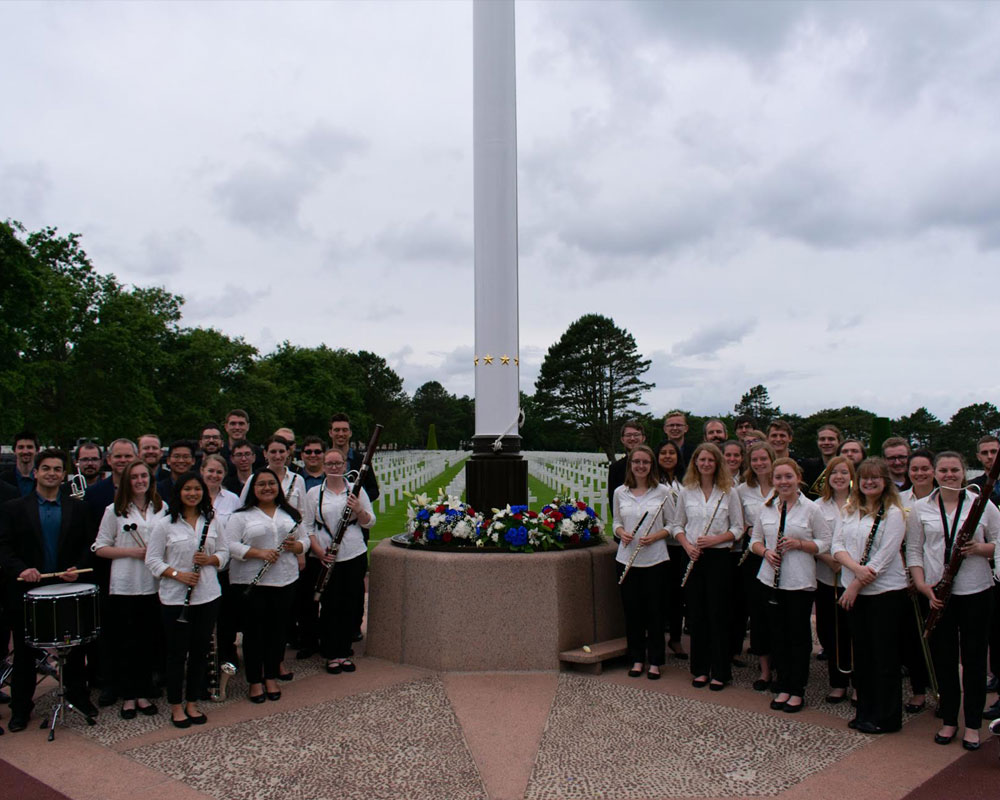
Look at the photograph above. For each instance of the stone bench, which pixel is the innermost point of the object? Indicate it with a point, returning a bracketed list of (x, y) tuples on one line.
[(593, 661)]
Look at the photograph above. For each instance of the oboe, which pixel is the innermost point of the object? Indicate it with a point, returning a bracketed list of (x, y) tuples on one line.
[(777, 549), (690, 566), (197, 567), (327, 569), (267, 564)]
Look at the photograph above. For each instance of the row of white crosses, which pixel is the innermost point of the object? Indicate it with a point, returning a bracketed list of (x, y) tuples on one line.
[(580, 475), (404, 471)]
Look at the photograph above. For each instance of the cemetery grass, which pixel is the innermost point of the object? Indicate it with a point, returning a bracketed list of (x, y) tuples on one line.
[(393, 519)]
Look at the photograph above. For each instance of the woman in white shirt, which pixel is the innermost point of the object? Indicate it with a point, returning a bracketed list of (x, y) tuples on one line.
[(963, 627), (265, 530), (668, 459), (867, 544), (754, 490), (920, 471), (832, 622), (709, 519), (789, 532), (224, 502), (642, 510), (213, 471), (122, 537), (340, 605), (184, 551)]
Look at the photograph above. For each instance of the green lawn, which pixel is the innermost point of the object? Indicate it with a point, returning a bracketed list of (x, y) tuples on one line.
[(393, 519)]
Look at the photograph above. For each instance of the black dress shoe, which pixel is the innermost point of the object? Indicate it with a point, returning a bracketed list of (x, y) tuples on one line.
[(348, 665), (150, 711), (4, 698), (181, 723), (760, 685), (778, 705), (834, 699), (716, 687), (939, 739), (992, 683), (872, 728), (790, 709), (993, 711), (970, 745), (198, 719), (17, 723), (257, 698), (853, 724), (127, 713), (699, 683), (273, 695), (635, 673), (286, 676), (653, 676), (915, 708)]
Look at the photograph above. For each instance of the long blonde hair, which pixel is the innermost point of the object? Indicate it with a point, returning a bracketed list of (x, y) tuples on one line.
[(836, 461), (749, 476), (721, 477)]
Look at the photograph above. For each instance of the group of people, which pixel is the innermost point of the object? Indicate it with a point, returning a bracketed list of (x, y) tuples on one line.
[(220, 537), (730, 535)]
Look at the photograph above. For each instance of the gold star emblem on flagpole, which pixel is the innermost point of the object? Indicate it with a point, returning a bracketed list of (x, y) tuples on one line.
[(516, 361), (475, 361), (487, 359), (505, 360)]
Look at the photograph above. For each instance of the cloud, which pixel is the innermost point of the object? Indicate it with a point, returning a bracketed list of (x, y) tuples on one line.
[(428, 238), (24, 189), (234, 301), (708, 341), (266, 195), (164, 253)]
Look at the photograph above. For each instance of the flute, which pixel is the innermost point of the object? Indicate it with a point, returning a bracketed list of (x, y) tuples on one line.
[(63, 573), (690, 566), (638, 545), (267, 564)]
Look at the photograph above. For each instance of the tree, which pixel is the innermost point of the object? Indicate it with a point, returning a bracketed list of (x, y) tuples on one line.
[(590, 378), (453, 417), (853, 422), (921, 428), (756, 403), (385, 400), (966, 427)]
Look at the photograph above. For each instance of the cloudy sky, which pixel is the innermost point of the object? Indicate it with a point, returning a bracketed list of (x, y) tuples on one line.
[(805, 195)]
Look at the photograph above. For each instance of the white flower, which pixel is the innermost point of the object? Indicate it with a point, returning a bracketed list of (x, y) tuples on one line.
[(410, 513), (579, 516), (421, 499), (567, 528), (437, 519)]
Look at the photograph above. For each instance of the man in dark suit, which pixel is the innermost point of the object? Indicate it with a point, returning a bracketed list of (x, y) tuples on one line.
[(22, 474), (43, 532)]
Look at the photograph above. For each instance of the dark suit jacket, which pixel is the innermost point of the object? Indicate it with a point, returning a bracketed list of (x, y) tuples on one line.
[(21, 537)]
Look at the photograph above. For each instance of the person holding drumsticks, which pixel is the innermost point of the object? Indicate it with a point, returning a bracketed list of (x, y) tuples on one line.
[(184, 551), (122, 537), (265, 531), (43, 532)]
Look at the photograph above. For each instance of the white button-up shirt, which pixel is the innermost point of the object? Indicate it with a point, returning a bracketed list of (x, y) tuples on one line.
[(294, 487), (851, 535), (129, 576), (325, 507), (831, 513), (628, 510), (803, 520), (172, 545), (255, 528), (694, 513), (925, 543)]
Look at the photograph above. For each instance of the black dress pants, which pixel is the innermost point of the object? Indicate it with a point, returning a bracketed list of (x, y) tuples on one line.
[(877, 660), (963, 630), (339, 606), (791, 638), (708, 598), (187, 650), (266, 614), (642, 597)]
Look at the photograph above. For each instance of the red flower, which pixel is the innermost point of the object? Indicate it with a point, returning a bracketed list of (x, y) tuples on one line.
[(417, 534), (549, 524), (532, 514), (469, 510), (517, 517), (581, 505), (575, 538), (557, 515), (446, 537), (440, 509)]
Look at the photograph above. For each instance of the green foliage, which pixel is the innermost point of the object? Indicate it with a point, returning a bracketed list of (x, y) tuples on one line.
[(921, 429), (590, 378), (967, 426), (756, 403), (432, 437), (385, 400), (453, 417)]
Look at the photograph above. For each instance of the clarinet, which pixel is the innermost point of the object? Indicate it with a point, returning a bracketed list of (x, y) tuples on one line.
[(943, 589), (867, 554), (777, 549), (197, 567), (338, 535), (267, 564)]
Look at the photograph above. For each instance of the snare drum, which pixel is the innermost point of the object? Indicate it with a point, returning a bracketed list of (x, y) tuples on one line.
[(61, 615)]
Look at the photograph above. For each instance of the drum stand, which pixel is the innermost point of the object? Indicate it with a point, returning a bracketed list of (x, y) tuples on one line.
[(58, 713)]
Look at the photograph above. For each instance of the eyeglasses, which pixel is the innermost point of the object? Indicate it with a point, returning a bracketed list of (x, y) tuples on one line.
[(896, 458), (311, 452), (242, 455), (89, 459)]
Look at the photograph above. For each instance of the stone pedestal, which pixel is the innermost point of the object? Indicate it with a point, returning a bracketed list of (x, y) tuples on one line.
[(489, 611)]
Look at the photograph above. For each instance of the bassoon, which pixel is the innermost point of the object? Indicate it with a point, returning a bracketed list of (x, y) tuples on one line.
[(345, 519), (943, 589)]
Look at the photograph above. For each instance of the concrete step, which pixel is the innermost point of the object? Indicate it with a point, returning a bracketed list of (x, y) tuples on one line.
[(592, 658)]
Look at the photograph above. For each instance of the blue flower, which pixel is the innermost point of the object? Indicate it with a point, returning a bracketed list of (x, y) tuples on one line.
[(516, 537), (451, 512), (423, 515), (431, 535)]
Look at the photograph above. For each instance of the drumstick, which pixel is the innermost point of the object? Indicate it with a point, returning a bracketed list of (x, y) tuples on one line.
[(61, 574)]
